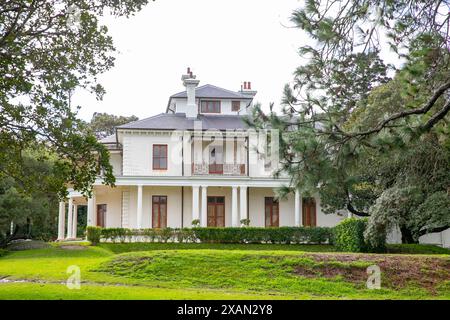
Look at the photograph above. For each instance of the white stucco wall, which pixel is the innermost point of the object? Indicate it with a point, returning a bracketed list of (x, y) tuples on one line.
[(112, 197), (225, 105), (115, 159), (286, 207), (438, 238), (327, 220), (138, 154), (176, 219), (173, 205)]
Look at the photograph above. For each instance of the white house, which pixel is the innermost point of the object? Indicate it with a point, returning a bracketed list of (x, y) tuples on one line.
[(198, 160)]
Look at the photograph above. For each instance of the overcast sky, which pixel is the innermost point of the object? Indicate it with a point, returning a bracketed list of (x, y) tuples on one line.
[(224, 43)]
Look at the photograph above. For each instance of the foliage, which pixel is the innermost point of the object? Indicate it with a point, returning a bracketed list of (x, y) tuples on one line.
[(414, 248), (196, 223), (393, 209), (245, 222), (354, 125), (310, 235), (49, 48), (349, 236), (190, 245), (432, 214), (3, 252), (34, 214), (104, 124), (94, 234)]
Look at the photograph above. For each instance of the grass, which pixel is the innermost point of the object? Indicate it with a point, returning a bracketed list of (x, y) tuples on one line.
[(39, 291), (417, 249), (212, 271)]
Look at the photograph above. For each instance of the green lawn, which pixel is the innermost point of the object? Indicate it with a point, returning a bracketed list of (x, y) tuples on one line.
[(208, 271)]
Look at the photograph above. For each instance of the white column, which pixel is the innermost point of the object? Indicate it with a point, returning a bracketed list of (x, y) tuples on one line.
[(70, 219), (61, 220), (195, 211), (91, 212), (139, 207), (234, 207), (297, 209), (204, 220), (243, 202), (75, 222)]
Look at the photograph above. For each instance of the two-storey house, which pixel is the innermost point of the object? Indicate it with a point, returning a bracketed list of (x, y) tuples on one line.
[(197, 161)]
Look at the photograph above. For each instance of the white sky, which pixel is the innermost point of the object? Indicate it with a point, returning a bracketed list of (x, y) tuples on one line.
[(224, 43)]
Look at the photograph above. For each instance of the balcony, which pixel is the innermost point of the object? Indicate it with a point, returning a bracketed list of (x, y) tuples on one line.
[(226, 169)]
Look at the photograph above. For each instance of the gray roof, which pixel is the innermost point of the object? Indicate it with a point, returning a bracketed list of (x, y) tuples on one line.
[(210, 91), (109, 139), (178, 121)]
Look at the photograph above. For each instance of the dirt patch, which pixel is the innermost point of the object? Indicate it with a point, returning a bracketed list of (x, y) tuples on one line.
[(72, 247), (396, 271), (19, 245), (351, 274)]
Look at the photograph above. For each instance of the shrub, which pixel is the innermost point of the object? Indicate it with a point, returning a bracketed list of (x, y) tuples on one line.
[(3, 252), (196, 223), (309, 235), (94, 234), (245, 222), (349, 236), (149, 234), (166, 234)]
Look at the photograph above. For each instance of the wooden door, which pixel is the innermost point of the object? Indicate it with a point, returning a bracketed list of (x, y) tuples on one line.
[(216, 212), (272, 212), (101, 215), (159, 211), (309, 212)]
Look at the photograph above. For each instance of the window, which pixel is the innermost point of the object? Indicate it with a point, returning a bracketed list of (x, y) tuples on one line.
[(210, 106), (216, 212), (160, 157), (271, 212), (235, 105), (159, 211), (101, 215)]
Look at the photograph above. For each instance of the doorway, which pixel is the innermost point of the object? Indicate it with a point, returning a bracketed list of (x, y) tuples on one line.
[(309, 212), (216, 211)]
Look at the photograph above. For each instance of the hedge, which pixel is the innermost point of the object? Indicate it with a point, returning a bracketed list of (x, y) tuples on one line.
[(94, 234), (349, 236), (308, 235)]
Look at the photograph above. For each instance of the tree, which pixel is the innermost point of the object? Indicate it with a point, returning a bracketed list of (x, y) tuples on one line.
[(349, 112), (104, 124), (47, 49), (31, 214)]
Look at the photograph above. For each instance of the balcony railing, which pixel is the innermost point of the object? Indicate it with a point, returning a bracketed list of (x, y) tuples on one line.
[(231, 169)]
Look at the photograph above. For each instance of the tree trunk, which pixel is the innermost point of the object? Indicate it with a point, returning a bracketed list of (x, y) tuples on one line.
[(407, 236)]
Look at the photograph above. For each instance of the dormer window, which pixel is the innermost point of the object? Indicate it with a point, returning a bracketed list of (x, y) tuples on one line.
[(210, 106), (235, 105)]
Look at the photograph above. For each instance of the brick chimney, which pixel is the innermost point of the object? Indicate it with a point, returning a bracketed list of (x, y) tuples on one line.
[(246, 89), (190, 83)]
